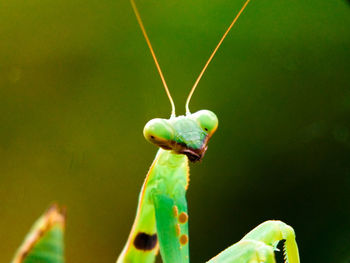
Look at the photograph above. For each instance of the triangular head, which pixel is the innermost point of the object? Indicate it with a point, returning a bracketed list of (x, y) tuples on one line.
[(187, 135)]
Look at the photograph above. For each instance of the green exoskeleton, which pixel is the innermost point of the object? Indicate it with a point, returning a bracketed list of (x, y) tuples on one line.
[(161, 221), (44, 242)]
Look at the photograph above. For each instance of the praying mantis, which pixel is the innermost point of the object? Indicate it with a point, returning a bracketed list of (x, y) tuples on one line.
[(161, 222)]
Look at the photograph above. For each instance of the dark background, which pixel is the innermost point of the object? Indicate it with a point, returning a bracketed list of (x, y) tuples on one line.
[(77, 85)]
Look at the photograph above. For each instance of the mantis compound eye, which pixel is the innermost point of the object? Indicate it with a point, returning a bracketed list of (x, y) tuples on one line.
[(207, 120), (159, 132)]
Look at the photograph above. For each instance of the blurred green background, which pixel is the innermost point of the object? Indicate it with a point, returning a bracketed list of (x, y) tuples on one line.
[(77, 85)]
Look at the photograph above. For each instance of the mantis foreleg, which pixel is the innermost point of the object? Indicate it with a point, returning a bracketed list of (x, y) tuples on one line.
[(172, 228), (44, 242), (259, 245)]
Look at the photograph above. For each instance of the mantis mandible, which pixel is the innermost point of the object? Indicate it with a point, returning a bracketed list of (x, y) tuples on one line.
[(161, 221)]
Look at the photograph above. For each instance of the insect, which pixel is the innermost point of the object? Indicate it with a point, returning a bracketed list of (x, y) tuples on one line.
[(161, 221)]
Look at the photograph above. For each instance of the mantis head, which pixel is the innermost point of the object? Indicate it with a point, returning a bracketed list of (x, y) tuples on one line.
[(187, 135)]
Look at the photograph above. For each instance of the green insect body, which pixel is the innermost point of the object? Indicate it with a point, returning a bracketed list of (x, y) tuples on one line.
[(44, 242), (163, 195), (162, 210), (161, 221), (158, 198)]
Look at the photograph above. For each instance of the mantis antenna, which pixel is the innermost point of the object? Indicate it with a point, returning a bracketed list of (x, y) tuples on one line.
[(139, 20), (211, 57)]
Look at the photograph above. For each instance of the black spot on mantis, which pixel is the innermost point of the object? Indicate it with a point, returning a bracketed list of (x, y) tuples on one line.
[(145, 241)]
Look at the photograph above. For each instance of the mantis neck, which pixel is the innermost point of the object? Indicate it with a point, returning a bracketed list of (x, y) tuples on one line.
[(168, 175), (169, 172)]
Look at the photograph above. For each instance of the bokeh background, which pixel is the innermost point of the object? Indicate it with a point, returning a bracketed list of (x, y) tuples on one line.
[(77, 85)]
